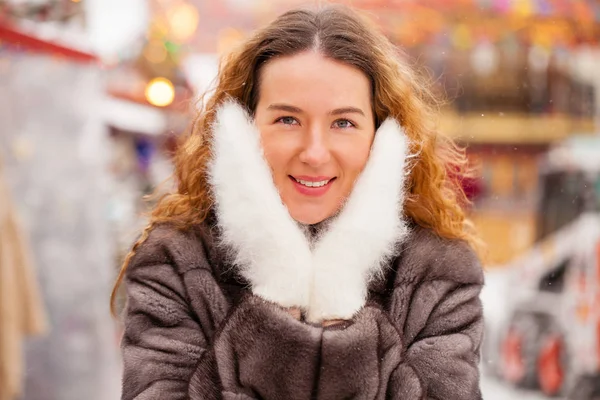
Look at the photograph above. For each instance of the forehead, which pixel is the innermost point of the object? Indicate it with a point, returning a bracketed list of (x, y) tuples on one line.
[(312, 79)]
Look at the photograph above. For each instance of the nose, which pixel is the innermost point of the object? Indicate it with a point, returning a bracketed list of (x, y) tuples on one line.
[(315, 151)]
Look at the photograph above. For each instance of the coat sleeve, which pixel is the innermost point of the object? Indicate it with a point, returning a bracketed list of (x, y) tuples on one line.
[(434, 357), (162, 342), (174, 306), (183, 340), (263, 353), (444, 329)]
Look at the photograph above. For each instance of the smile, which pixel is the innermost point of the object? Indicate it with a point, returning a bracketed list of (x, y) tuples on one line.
[(312, 186), (312, 183)]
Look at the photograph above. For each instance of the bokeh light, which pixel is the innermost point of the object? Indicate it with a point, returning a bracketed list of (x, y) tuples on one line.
[(183, 21), (160, 92), (155, 52)]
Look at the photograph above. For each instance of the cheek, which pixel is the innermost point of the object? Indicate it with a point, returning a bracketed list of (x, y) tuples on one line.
[(277, 155), (355, 158)]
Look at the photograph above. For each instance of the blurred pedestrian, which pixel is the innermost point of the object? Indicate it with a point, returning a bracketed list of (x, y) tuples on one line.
[(315, 246)]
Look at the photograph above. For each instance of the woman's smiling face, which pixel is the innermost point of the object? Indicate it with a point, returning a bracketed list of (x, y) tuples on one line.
[(316, 123)]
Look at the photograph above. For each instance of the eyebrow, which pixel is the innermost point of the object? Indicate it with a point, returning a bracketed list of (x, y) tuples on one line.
[(284, 107), (293, 109), (347, 110)]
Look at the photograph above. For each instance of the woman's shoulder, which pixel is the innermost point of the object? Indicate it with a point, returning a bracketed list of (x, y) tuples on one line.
[(424, 255), (183, 249)]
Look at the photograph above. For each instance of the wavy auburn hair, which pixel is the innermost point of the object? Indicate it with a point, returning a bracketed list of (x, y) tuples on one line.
[(435, 199)]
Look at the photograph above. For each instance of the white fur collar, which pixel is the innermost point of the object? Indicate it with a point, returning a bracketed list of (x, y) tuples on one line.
[(330, 280)]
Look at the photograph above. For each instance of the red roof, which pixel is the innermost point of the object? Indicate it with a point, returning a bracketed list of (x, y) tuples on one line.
[(32, 43)]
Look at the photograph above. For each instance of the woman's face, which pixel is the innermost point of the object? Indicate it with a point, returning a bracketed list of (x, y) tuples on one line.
[(316, 124)]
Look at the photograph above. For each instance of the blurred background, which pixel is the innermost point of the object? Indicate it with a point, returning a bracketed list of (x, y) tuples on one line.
[(93, 94)]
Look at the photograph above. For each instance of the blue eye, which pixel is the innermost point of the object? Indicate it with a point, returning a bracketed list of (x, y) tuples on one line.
[(343, 124), (287, 121)]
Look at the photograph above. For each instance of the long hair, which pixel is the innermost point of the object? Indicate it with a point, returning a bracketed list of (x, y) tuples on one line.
[(435, 199)]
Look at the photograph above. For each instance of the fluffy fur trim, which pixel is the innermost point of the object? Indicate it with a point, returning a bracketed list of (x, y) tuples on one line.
[(365, 234), (269, 249), (330, 280)]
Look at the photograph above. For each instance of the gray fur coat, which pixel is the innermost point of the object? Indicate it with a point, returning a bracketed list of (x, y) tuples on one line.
[(206, 314)]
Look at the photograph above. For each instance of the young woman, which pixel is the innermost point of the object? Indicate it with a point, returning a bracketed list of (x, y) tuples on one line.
[(315, 247)]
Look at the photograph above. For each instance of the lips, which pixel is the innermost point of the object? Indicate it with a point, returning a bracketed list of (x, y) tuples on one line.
[(312, 185)]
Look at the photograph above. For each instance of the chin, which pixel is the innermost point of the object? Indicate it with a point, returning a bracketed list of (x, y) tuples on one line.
[(310, 217)]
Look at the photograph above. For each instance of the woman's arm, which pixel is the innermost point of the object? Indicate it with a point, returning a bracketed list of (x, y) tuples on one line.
[(263, 352), (444, 329), (183, 341), (162, 342), (174, 306), (425, 344), (436, 358), (436, 306)]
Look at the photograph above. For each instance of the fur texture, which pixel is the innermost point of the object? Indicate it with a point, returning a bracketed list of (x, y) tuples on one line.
[(269, 249), (328, 279), (363, 237), (194, 332)]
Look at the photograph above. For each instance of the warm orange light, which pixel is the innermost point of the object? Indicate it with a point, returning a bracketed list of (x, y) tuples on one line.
[(155, 52), (160, 92), (228, 39), (183, 21)]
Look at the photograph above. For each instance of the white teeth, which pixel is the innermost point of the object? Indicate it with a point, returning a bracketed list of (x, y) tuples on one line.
[(312, 184)]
